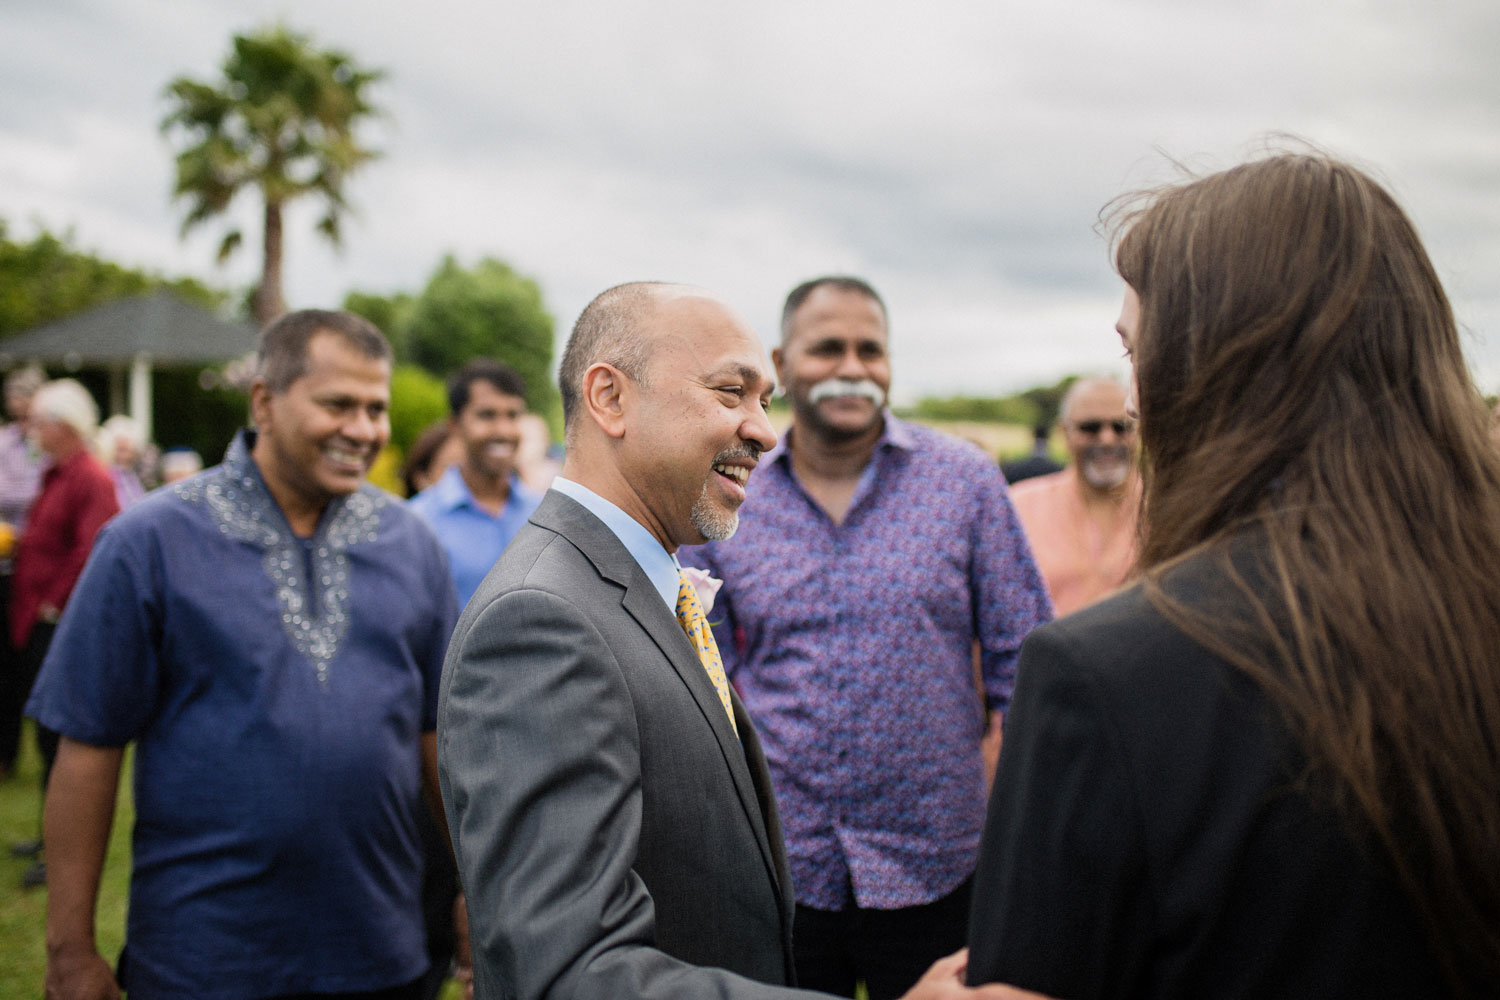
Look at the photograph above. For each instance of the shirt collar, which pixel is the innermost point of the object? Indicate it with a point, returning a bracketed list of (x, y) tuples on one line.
[(660, 566), (239, 463), (896, 433), (452, 492)]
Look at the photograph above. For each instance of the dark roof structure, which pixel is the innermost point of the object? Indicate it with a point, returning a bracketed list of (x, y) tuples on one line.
[(165, 328)]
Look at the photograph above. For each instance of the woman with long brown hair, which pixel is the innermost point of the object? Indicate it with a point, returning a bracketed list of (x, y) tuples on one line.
[(1272, 767)]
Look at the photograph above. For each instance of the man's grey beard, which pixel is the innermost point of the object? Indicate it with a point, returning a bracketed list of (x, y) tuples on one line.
[(713, 523), (1112, 475)]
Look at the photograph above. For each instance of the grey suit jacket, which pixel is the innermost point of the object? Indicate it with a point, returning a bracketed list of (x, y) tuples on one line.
[(614, 838)]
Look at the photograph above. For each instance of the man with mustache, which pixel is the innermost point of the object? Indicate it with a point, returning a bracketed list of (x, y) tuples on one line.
[(613, 819), (874, 557), (268, 633), (1081, 521), (477, 506)]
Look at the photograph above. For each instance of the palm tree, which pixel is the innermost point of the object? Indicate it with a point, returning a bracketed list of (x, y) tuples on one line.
[(281, 120)]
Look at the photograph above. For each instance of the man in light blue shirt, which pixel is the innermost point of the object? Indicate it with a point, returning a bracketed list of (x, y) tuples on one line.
[(478, 505)]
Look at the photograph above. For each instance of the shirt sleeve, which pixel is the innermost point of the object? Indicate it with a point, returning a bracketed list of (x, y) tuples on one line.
[(1061, 892), (1009, 596), (435, 648), (98, 684)]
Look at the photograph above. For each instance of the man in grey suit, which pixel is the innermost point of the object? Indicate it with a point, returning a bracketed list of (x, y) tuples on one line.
[(609, 802)]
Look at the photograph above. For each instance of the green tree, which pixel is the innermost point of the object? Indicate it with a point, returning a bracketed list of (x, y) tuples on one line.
[(975, 409), (389, 313), (418, 400), (282, 120), (1048, 398), (487, 311), (46, 278)]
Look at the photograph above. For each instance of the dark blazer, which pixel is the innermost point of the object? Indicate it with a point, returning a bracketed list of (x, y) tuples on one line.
[(613, 835), (1150, 835)]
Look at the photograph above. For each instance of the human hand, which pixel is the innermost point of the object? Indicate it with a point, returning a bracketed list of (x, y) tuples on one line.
[(945, 981), (79, 973), (989, 749), (463, 956)]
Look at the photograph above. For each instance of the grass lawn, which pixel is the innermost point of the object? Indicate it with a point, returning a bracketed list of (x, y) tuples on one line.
[(23, 955), (22, 911)]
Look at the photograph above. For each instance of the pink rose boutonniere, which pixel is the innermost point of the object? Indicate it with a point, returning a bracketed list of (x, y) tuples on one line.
[(706, 587)]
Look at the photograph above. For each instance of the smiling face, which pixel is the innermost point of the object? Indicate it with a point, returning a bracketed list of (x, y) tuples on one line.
[(489, 426), (834, 364), (318, 438), (695, 426), (1099, 434)]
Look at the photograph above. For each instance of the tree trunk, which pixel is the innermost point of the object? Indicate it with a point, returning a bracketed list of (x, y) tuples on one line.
[(269, 303)]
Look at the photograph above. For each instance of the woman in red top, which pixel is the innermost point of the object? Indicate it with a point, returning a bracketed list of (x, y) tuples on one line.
[(76, 498)]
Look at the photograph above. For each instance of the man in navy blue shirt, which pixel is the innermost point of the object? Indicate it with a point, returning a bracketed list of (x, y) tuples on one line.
[(269, 635)]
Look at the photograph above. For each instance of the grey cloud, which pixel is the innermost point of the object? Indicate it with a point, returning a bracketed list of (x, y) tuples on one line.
[(958, 154)]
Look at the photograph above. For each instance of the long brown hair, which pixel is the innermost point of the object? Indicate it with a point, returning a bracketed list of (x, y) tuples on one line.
[(1301, 381)]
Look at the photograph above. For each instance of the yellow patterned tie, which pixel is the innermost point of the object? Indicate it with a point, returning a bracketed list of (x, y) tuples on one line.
[(695, 623)]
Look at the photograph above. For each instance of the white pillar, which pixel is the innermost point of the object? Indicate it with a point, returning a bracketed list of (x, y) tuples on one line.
[(140, 394)]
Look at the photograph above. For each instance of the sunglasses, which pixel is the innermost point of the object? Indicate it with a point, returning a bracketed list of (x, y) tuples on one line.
[(1093, 427)]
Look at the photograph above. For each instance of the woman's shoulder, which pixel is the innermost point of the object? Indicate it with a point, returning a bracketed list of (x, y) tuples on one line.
[(1133, 647)]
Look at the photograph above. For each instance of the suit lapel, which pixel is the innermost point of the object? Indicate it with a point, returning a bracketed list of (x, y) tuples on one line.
[(765, 796), (645, 605), (643, 602)]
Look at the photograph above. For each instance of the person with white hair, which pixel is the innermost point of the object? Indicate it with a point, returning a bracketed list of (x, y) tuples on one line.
[(120, 445), (1081, 521), (180, 463), (76, 498)]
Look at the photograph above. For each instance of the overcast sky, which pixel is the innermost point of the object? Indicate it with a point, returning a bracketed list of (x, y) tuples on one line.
[(956, 154)]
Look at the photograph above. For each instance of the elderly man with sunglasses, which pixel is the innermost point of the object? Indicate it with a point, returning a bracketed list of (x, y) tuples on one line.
[(1081, 521)]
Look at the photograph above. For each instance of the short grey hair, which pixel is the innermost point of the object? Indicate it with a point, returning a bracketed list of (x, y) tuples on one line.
[(610, 330), (281, 353), (1076, 389), (67, 402), (116, 429), (839, 282)]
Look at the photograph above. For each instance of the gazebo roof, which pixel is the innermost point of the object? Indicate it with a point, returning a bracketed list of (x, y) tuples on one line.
[(160, 325)]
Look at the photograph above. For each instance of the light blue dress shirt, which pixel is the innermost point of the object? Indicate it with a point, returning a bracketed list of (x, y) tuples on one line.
[(471, 535), (660, 565)]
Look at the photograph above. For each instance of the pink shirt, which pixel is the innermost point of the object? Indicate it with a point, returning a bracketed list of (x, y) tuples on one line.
[(1082, 558)]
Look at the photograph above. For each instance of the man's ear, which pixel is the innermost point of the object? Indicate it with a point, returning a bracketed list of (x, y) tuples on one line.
[(776, 358), (604, 389), (260, 404)]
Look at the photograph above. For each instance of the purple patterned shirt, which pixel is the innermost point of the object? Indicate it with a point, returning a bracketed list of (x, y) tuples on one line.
[(852, 647)]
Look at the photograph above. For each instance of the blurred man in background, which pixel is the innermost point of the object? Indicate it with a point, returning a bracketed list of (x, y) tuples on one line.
[(1081, 521), (477, 505)]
